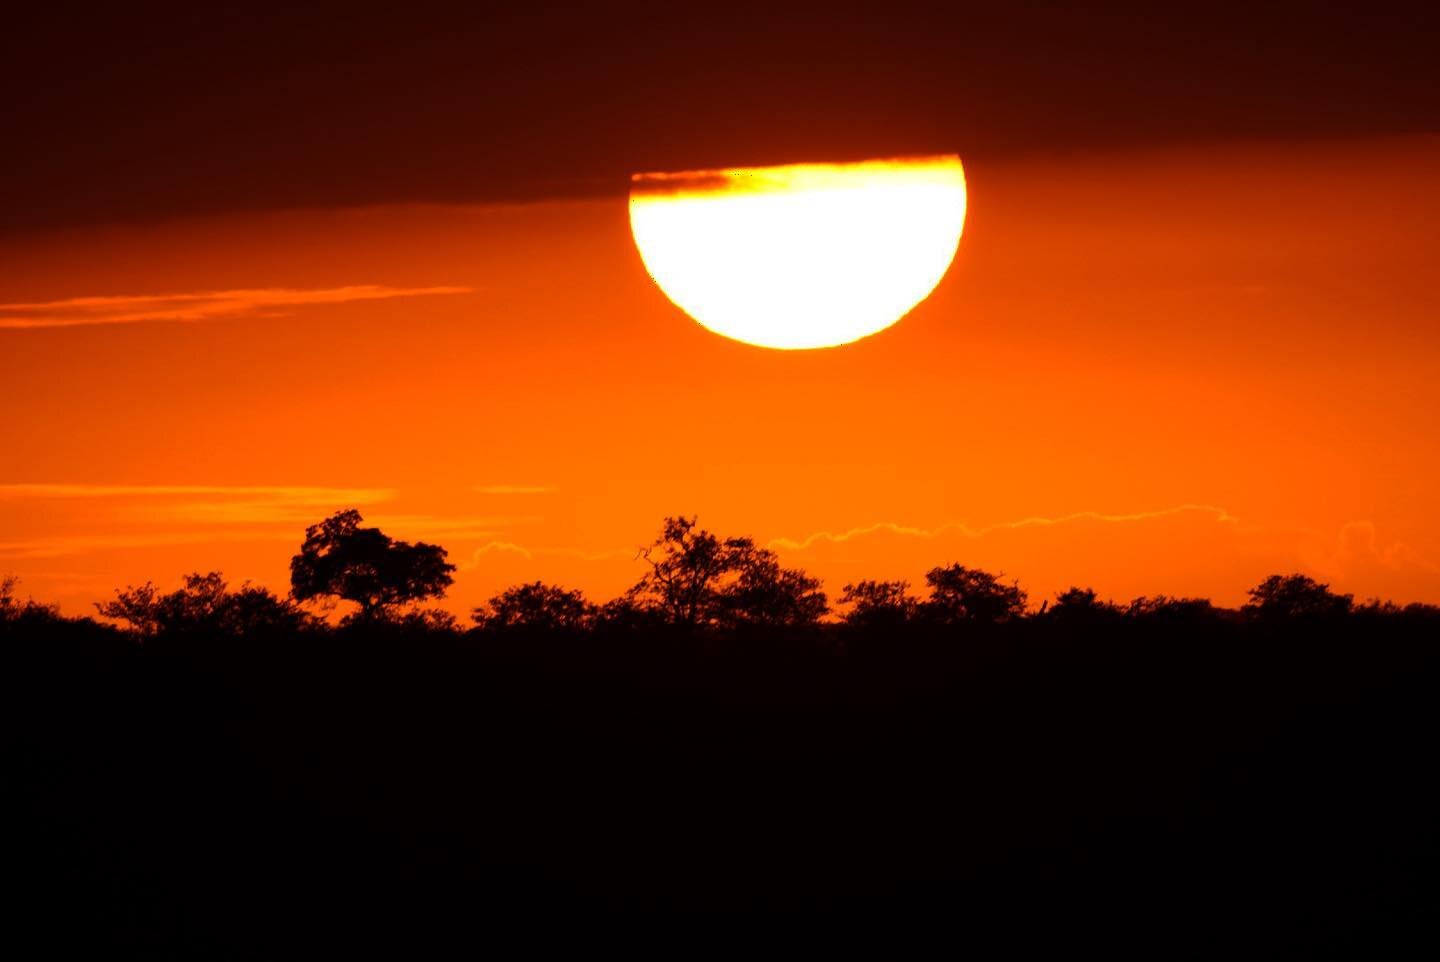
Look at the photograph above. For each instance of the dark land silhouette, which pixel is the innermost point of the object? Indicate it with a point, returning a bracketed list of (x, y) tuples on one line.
[(717, 760)]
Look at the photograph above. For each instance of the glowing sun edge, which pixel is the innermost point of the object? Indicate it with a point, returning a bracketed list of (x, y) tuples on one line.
[(804, 255)]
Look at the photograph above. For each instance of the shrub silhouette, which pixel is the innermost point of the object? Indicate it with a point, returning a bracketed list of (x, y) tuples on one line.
[(628, 615), (17, 614), (961, 595), (535, 607), (342, 560), (204, 606), (1296, 596), (1163, 608)]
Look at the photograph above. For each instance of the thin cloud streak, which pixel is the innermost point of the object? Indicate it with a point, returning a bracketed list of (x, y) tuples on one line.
[(195, 306), (246, 512), (442, 527), (888, 527), (1218, 514), (292, 494), (248, 525), (85, 543), (530, 554)]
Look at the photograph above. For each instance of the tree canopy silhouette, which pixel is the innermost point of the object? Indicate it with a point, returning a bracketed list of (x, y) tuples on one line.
[(1296, 596), (342, 560), (535, 606), (879, 604), (766, 594), (698, 579), (961, 595), (1080, 606)]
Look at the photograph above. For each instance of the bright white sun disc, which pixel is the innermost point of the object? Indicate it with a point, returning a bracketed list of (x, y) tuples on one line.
[(800, 256)]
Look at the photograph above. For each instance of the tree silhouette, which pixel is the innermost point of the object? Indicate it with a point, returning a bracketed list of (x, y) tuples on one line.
[(879, 604), (1080, 606), (535, 606), (342, 560), (1296, 596), (961, 595), (203, 605), (698, 579), (765, 594)]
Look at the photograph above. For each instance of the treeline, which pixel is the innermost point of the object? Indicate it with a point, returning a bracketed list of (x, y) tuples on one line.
[(348, 576), (715, 755)]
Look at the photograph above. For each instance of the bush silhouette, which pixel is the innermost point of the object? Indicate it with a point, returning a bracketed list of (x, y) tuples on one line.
[(535, 607), (17, 614), (1163, 608), (204, 607)]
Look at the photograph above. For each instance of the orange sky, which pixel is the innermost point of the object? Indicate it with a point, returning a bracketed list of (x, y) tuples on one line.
[(1170, 371)]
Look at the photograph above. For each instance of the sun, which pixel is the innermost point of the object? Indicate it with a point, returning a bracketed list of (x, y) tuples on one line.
[(804, 255)]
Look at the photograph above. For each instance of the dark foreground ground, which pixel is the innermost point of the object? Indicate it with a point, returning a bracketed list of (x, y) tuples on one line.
[(1177, 791)]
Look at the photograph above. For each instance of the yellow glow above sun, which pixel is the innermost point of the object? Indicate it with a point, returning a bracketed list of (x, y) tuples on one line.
[(800, 256)]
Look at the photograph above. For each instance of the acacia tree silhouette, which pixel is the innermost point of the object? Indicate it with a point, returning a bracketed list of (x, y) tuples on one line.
[(765, 594), (342, 560), (697, 579), (961, 595), (1080, 606), (879, 604), (1296, 596)]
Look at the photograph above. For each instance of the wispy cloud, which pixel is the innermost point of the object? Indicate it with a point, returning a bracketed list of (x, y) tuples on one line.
[(80, 544), (959, 528), (1210, 513), (215, 513), (293, 494), (1357, 549), (145, 516), (513, 489), (441, 527), (530, 554), (195, 306)]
